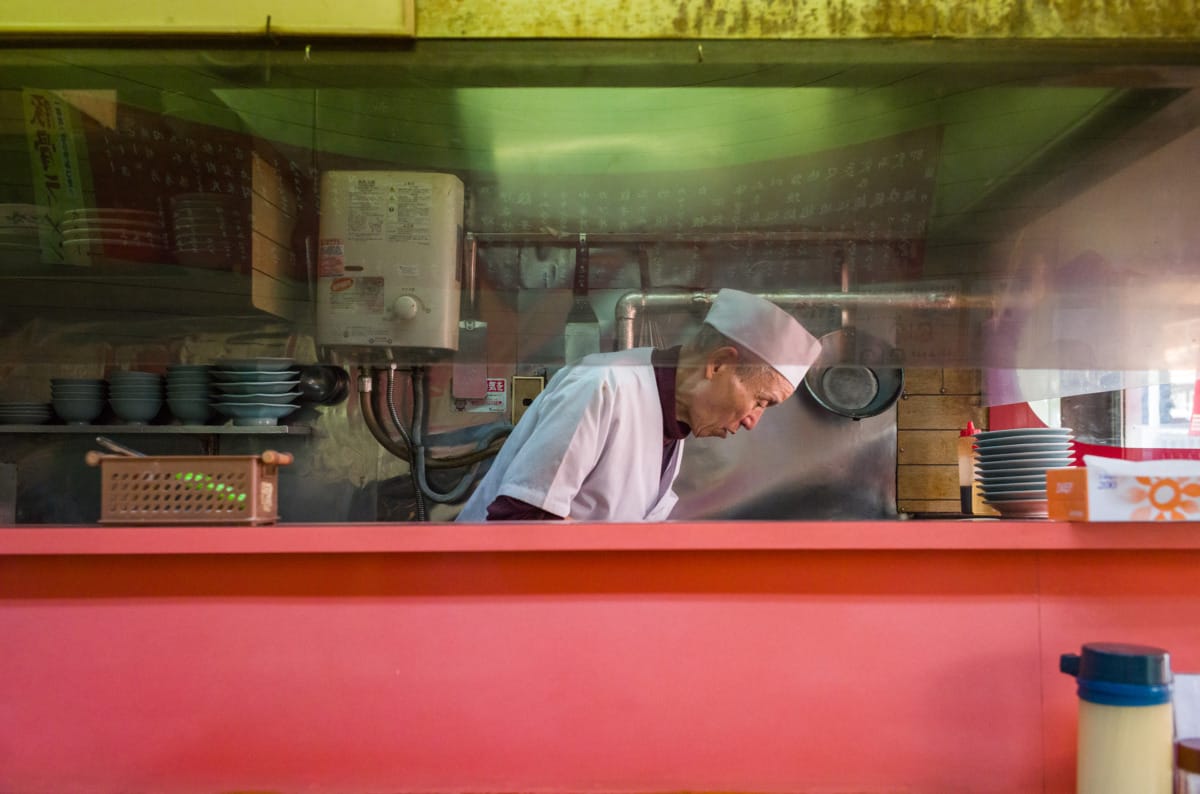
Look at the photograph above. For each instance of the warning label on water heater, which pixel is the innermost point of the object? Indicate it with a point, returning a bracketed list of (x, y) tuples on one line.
[(357, 295), (410, 212), (331, 260), (396, 211), (365, 210)]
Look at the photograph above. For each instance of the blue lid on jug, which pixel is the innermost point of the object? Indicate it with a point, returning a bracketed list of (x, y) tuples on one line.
[(1119, 674)]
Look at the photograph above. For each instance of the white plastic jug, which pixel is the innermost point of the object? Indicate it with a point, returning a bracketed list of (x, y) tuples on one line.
[(1126, 731)]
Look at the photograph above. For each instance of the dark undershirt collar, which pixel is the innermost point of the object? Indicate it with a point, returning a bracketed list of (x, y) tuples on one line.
[(664, 363)]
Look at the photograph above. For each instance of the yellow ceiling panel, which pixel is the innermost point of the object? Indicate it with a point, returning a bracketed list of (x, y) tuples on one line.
[(209, 17)]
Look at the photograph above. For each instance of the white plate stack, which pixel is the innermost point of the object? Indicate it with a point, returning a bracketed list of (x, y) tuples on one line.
[(207, 230), (1010, 466), (113, 236), (24, 228), (255, 391), (25, 413)]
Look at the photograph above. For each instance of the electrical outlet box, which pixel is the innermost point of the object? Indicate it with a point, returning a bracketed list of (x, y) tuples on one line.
[(524, 389)]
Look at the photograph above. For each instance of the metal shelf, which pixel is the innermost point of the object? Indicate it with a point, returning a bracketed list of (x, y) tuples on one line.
[(161, 430), (153, 289)]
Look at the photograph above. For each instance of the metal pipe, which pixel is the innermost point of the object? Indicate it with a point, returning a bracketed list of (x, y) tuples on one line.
[(631, 304), (617, 238), (414, 449), (471, 254), (367, 409), (120, 449), (847, 310)]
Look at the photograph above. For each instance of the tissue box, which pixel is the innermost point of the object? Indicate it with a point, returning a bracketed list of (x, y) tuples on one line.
[(1066, 494), (1106, 489)]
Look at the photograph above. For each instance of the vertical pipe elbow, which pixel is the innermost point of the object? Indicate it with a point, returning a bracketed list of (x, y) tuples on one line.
[(626, 313)]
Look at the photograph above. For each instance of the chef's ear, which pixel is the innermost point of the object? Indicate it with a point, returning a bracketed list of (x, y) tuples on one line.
[(722, 357)]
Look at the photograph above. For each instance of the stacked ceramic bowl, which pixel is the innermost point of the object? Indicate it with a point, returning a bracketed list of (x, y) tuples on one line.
[(24, 228), (135, 397), (189, 393), (25, 413), (256, 391), (1010, 466), (109, 235), (77, 401), (205, 230)]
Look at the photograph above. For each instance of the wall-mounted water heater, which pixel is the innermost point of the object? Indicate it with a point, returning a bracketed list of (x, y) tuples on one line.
[(388, 269)]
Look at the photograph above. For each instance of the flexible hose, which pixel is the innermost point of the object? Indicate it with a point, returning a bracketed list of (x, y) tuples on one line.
[(413, 449), (420, 397), (467, 458), (366, 403), (367, 408), (385, 440), (491, 445), (417, 452)]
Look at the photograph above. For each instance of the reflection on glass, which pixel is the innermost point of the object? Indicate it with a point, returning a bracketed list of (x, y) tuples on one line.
[(1016, 210), (1163, 415)]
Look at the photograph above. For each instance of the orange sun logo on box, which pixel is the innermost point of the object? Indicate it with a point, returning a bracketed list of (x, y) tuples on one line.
[(1168, 499)]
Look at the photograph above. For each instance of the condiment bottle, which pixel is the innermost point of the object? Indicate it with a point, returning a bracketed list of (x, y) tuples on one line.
[(1126, 730), (1187, 766), (970, 496), (966, 466)]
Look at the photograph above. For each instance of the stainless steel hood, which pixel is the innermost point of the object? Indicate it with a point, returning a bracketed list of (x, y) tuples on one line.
[(1038, 149)]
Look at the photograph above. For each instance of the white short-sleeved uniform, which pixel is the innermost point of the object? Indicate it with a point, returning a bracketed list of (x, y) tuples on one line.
[(589, 447)]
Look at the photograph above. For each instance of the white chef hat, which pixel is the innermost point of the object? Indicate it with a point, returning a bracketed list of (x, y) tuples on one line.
[(765, 330)]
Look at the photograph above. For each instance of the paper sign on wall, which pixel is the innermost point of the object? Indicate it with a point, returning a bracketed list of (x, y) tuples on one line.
[(496, 401)]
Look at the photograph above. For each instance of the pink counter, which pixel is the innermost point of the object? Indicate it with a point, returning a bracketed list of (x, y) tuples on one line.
[(753, 657)]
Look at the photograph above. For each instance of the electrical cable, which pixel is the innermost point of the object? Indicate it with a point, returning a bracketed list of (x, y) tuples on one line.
[(367, 407), (370, 417), (418, 491), (414, 448), (420, 385), (366, 404)]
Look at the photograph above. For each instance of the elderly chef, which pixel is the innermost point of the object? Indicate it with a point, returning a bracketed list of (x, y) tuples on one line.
[(603, 442)]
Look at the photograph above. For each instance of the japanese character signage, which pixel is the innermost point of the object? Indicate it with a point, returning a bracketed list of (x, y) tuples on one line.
[(52, 156), (155, 162), (872, 200)]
